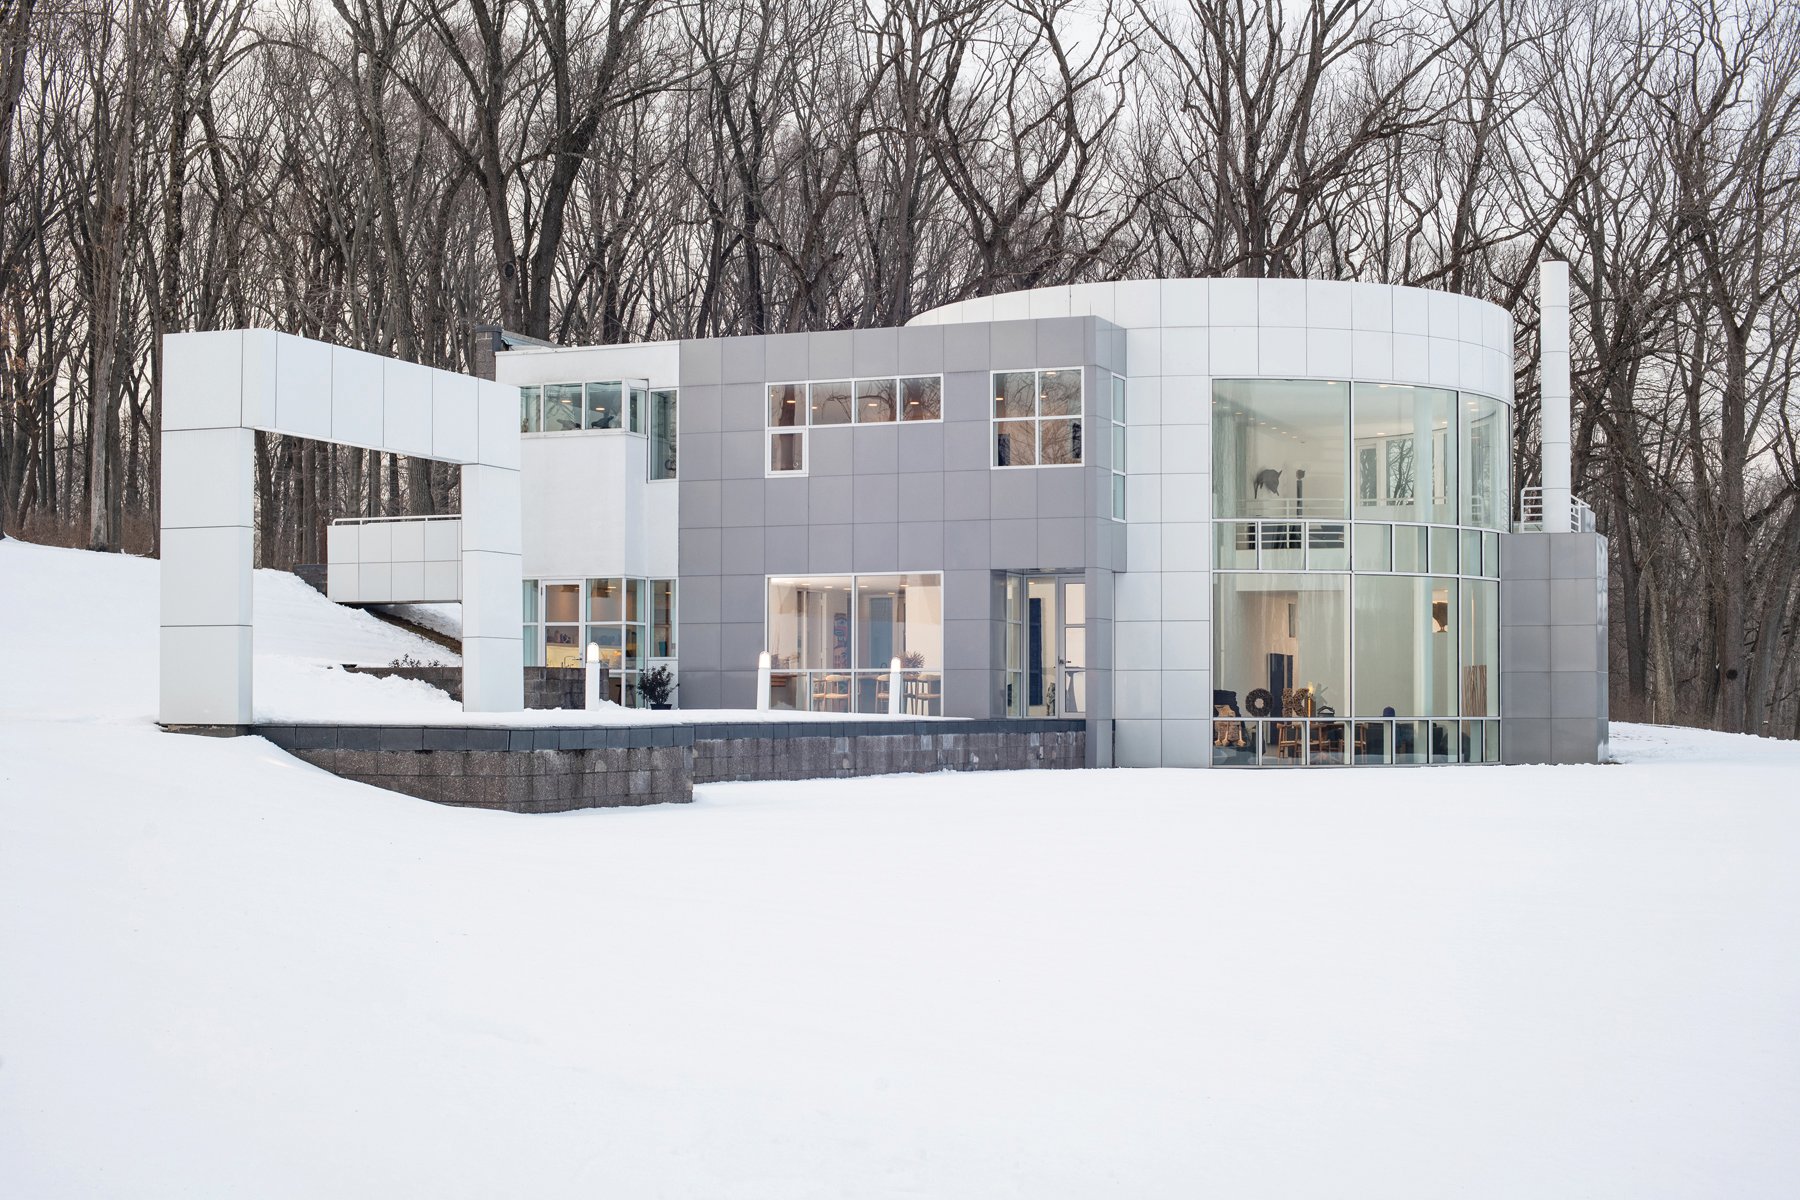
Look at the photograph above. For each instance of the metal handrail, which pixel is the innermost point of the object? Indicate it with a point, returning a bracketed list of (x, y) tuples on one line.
[(378, 520), (1531, 511)]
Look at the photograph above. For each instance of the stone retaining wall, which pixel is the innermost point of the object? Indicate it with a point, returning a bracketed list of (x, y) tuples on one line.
[(559, 769), (837, 751)]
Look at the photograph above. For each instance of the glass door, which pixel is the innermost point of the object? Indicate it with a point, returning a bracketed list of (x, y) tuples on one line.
[(1072, 661), (1052, 624)]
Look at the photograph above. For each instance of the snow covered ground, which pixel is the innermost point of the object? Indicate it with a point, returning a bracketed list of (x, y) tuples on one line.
[(439, 618), (104, 609), (224, 973), (78, 638)]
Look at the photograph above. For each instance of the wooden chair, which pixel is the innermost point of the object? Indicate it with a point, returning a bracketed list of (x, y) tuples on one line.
[(831, 693), (922, 695)]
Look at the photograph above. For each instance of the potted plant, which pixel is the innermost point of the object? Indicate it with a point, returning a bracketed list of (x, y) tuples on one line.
[(657, 687)]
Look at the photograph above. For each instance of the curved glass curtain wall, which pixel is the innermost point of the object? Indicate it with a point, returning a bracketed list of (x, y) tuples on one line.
[(1356, 588)]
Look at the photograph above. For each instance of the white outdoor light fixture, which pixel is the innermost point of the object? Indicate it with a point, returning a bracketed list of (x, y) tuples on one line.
[(762, 682), (593, 675), (894, 686)]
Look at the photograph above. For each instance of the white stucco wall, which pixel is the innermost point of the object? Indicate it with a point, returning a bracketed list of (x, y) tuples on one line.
[(1180, 336), (590, 508)]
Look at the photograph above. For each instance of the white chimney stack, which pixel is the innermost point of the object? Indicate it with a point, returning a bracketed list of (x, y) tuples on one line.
[(1553, 377)]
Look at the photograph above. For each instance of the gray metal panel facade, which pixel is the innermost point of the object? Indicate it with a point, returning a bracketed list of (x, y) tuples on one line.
[(1553, 633), (891, 498)]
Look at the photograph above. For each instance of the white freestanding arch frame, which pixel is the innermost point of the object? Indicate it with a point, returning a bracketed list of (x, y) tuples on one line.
[(218, 390)]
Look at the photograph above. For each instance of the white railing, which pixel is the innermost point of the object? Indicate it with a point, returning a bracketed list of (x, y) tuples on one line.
[(1531, 512), (377, 520)]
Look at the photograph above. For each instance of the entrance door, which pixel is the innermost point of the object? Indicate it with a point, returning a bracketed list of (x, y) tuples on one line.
[(1054, 628)]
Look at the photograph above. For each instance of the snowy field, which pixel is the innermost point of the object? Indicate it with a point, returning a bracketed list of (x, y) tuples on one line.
[(226, 974), (105, 610)]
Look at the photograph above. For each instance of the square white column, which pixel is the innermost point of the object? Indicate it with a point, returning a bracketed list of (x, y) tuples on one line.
[(208, 552), (492, 536)]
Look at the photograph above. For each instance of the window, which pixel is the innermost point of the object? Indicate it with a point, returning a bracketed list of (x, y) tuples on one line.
[(1480, 696), (562, 407), (599, 405), (639, 396), (922, 398), (1015, 645), (562, 625), (832, 640), (798, 406), (605, 405), (1404, 468), (1406, 486), (617, 616), (630, 620), (787, 411), (831, 402), (662, 618), (1409, 549), (534, 650), (1037, 418), (1280, 448), (1374, 550), (1281, 645), (875, 401), (663, 425), (1406, 646), (1486, 454), (1118, 448)]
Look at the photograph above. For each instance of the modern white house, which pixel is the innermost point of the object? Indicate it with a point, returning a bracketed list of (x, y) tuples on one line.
[(1229, 522)]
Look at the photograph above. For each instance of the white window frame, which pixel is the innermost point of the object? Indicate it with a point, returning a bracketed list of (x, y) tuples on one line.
[(626, 398), (1115, 499), (801, 429), (804, 433), (805, 425), (674, 438), (1464, 572), (1036, 419), (854, 671)]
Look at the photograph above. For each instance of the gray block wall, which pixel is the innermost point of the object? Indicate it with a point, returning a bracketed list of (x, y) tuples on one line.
[(889, 498), (1553, 634), (558, 769)]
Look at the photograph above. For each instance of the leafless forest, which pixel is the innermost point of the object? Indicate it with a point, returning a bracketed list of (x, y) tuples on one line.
[(384, 173)]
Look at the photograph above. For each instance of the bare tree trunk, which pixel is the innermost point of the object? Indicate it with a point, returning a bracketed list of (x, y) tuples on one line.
[(110, 252)]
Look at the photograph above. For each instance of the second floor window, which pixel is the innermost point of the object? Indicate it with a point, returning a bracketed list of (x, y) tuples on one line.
[(797, 407), (1037, 418), (607, 404)]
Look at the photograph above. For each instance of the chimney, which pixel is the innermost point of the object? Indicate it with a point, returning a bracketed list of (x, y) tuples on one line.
[(487, 341), (491, 340), (1553, 381)]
